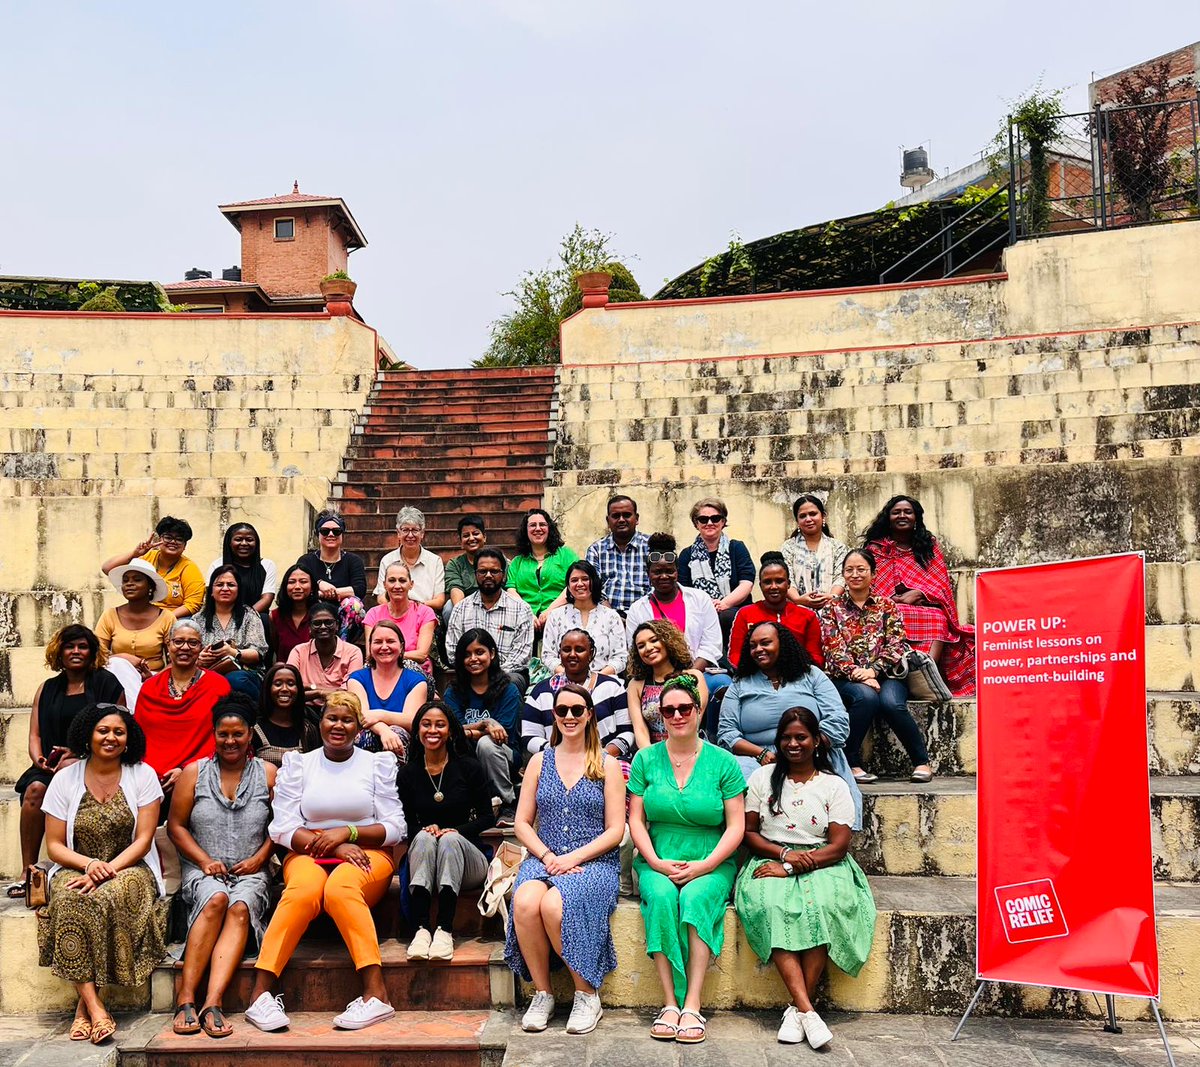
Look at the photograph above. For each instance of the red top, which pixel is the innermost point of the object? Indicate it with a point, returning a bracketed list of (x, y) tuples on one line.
[(802, 622), (178, 731)]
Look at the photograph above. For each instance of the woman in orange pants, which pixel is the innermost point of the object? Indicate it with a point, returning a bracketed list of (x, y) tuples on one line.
[(337, 810)]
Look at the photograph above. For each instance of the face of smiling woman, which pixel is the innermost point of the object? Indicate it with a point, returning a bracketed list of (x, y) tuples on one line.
[(339, 727), (232, 737), (109, 737), (433, 732)]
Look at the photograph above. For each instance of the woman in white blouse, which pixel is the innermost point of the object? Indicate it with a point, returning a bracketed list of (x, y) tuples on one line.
[(583, 611), (337, 810)]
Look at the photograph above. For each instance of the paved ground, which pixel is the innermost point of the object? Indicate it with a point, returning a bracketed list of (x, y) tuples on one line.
[(745, 1040)]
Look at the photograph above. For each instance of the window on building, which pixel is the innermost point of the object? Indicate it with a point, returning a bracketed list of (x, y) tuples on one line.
[(285, 229)]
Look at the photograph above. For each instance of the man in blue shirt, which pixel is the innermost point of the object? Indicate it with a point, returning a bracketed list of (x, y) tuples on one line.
[(620, 557)]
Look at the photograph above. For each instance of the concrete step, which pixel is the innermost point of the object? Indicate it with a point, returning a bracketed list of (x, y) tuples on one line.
[(163, 463), (444, 1038), (175, 484), (911, 829), (232, 432), (87, 390), (101, 409)]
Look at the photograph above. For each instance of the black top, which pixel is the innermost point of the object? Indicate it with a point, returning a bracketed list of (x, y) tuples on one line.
[(251, 579), (347, 571), (739, 562), (467, 792), (56, 710)]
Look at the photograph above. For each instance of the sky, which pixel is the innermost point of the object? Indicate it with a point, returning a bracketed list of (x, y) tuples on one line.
[(468, 136)]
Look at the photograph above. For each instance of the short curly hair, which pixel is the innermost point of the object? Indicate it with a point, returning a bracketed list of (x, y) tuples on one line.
[(678, 652), (83, 726), (67, 635)]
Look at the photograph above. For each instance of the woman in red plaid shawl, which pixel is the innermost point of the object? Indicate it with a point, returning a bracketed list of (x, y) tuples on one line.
[(913, 572)]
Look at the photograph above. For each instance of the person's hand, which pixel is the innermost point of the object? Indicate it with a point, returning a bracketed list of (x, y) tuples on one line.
[(250, 865), (608, 669), (99, 871), (327, 590), (559, 864), (802, 861), (861, 674), (327, 841), (446, 830), (766, 758), (389, 737), (872, 683), (143, 668), (168, 780), (560, 669), (432, 830), (495, 731), (770, 869), (909, 596), (371, 718), (208, 657), (686, 872), (142, 547), (65, 762), (718, 604), (814, 600), (353, 854), (215, 869)]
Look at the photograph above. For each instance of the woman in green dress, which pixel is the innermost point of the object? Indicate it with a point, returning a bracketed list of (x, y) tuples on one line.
[(108, 906), (686, 817), (803, 900)]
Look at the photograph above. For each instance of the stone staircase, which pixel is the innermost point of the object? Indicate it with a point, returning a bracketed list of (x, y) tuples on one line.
[(447, 442)]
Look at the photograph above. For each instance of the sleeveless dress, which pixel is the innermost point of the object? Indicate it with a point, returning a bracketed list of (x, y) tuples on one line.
[(568, 819), (229, 832), (114, 935), (651, 700), (410, 677)]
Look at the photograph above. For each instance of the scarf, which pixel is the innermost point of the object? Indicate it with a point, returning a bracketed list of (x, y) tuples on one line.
[(714, 582)]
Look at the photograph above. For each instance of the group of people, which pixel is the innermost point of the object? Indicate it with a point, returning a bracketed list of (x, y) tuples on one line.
[(725, 727)]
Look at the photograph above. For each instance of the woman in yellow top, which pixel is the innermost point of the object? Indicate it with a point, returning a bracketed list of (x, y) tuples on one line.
[(164, 552), (132, 635)]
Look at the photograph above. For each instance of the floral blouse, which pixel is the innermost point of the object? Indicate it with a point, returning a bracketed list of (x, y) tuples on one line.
[(871, 636)]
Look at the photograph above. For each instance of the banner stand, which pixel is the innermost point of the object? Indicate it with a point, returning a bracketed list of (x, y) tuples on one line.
[(1110, 1026)]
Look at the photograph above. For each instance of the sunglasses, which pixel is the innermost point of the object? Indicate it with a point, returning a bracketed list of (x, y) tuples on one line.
[(574, 711), (709, 520), (681, 711), (662, 557), (330, 531)]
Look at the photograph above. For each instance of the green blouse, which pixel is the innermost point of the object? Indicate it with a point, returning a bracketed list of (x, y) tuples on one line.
[(539, 586)]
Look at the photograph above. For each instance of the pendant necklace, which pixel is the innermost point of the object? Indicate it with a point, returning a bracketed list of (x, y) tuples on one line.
[(438, 795)]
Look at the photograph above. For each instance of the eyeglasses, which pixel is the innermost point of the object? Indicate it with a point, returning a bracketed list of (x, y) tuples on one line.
[(681, 711), (662, 557), (575, 711), (709, 520), (186, 642), (409, 531), (172, 539), (330, 531)]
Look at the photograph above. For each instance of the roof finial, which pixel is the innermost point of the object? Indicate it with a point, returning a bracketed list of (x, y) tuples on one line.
[(296, 186)]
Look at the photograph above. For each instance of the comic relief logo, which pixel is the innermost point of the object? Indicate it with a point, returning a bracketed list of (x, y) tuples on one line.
[(1030, 911)]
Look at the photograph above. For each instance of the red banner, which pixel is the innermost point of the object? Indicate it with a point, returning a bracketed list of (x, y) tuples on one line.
[(1066, 882)]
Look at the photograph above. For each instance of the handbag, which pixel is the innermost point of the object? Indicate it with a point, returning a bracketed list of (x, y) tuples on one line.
[(500, 878), (37, 887), (925, 682)]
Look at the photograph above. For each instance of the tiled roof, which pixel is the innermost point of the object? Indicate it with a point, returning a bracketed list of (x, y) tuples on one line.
[(287, 198), (203, 283)]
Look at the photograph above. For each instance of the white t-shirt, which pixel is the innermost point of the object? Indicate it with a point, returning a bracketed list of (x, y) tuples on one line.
[(270, 585), (805, 810), (428, 574), (315, 792)]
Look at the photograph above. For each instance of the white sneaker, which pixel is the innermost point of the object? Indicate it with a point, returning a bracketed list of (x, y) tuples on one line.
[(360, 1014), (267, 1013), (815, 1030), (442, 947), (791, 1030), (418, 947), (539, 1013), (585, 1013)]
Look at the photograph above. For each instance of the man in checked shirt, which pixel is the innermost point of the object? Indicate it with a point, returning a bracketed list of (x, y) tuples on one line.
[(620, 557)]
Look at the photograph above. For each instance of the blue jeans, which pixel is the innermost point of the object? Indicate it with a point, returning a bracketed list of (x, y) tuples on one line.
[(891, 703), (248, 682)]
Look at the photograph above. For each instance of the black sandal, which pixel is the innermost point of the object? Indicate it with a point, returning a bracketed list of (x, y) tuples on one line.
[(220, 1026), (191, 1024)]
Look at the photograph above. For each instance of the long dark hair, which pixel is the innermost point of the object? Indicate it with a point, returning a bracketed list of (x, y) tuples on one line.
[(809, 498), (554, 540), (265, 705), (794, 660), (457, 745), (497, 680), (595, 582), (822, 754), (281, 597), (83, 726), (922, 540), (251, 575), (209, 610)]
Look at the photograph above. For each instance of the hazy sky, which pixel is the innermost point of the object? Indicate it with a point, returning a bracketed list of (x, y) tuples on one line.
[(468, 136)]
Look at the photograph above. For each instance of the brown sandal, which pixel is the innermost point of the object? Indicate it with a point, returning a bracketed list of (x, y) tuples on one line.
[(103, 1030), (81, 1028)]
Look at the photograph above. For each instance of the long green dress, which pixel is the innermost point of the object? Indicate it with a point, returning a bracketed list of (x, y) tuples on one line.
[(685, 824)]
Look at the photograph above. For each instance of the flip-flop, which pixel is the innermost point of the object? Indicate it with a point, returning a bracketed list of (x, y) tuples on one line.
[(103, 1030), (220, 1026), (15, 890), (191, 1024), (672, 1028), (81, 1029), (701, 1025)]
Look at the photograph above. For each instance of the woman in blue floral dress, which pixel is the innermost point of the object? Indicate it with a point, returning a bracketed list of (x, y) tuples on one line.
[(567, 889)]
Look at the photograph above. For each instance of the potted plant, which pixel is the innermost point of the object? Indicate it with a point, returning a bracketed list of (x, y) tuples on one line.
[(593, 286), (337, 287)]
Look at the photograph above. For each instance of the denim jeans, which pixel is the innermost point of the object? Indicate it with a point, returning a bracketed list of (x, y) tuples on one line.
[(891, 703)]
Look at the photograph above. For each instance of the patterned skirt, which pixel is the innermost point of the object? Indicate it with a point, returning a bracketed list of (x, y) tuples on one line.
[(829, 906)]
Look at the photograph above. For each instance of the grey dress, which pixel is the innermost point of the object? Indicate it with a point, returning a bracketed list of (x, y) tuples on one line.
[(230, 832)]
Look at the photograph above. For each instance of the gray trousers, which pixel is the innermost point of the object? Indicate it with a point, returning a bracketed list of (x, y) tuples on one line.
[(449, 861), (497, 761)]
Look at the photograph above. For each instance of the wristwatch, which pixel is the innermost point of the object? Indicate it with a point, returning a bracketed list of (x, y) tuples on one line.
[(788, 868)]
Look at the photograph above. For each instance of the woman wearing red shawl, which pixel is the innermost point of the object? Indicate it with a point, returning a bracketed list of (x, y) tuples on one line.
[(913, 572), (174, 707)]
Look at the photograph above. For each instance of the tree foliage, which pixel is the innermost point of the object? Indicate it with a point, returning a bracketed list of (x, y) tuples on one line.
[(102, 300), (1038, 119), (528, 335), (1139, 140)]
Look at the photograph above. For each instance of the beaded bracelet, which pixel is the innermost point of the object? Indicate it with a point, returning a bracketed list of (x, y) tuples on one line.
[(353, 833)]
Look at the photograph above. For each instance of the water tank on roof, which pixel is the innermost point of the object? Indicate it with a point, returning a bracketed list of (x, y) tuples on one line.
[(231, 274), (196, 274), (916, 169)]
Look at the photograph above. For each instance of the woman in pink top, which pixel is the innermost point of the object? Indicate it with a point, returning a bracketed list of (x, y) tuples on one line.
[(416, 621)]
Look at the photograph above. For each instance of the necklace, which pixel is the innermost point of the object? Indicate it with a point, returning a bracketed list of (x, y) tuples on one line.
[(105, 791), (438, 795), (683, 759), (800, 783), (174, 690)]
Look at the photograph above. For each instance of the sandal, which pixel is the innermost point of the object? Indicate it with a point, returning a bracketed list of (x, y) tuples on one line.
[(103, 1030), (700, 1026), (216, 1017), (15, 890), (668, 1031), (81, 1028), (191, 1024)]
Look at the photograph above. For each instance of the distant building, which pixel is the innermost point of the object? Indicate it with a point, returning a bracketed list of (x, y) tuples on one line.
[(289, 243)]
